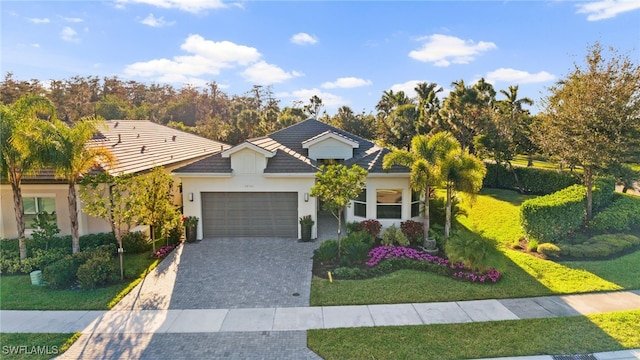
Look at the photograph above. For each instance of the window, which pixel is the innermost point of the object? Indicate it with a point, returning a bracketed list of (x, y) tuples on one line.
[(360, 204), (34, 205), (389, 204), (415, 204)]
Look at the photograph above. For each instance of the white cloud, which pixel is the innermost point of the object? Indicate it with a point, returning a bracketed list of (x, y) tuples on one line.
[(442, 50), (303, 39), (408, 87), (35, 45), (303, 95), (153, 21), (205, 57), (39, 20), (192, 6), (346, 83), (73, 20), (606, 9), (518, 76), (68, 34), (262, 73)]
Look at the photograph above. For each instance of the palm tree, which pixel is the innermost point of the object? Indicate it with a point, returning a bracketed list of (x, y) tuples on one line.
[(421, 159), (457, 169), (71, 158), (20, 150)]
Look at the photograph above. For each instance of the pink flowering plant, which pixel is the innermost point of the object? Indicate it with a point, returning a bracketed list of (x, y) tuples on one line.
[(456, 269), (162, 252)]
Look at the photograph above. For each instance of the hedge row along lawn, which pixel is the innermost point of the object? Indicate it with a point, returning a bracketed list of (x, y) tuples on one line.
[(493, 214), (567, 335)]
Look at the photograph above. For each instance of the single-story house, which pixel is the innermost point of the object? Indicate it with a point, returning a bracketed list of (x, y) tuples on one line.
[(138, 146), (260, 188)]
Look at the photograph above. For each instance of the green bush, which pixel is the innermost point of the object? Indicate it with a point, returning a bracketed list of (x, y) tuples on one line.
[(352, 227), (532, 245), (61, 274), (91, 241), (533, 180), (600, 246), (349, 273), (622, 215), (354, 248), (551, 217), (393, 235), (327, 252), (174, 235), (136, 242), (476, 253), (548, 249), (95, 272)]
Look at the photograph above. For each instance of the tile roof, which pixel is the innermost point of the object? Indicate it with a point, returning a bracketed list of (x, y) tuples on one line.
[(291, 157), (140, 145)]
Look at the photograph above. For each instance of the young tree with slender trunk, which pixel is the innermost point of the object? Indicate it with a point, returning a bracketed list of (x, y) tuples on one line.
[(20, 140)]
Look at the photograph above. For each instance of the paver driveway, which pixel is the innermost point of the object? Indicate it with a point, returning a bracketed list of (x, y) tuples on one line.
[(229, 273)]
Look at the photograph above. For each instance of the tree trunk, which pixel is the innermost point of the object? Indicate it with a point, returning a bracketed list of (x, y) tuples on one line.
[(18, 208), (427, 217), (73, 218), (515, 175), (529, 159), (447, 222), (588, 182)]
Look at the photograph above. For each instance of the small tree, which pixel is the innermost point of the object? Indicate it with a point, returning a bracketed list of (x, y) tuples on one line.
[(156, 202), (336, 186), (112, 200)]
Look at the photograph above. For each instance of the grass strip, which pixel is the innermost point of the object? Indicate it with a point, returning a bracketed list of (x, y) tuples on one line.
[(31, 346), (570, 335)]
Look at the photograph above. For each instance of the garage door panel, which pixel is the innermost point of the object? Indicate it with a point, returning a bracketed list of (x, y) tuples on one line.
[(250, 214)]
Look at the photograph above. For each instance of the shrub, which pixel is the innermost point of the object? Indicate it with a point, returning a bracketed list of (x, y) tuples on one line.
[(548, 249), (92, 241), (622, 215), (136, 242), (551, 217), (371, 227), (600, 246), (354, 249), (476, 253), (349, 273), (61, 274), (413, 230), (532, 245), (393, 235), (533, 180), (46, 229), (352, 227), (95, 272), (174, 235), (327, 252)]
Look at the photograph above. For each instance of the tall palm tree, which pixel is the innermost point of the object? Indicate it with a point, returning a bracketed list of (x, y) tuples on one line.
[(71, 158), (458, 170), (20, 149), (421, 159)]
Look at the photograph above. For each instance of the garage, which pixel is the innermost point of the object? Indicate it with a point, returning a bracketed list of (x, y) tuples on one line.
[(250, 214)]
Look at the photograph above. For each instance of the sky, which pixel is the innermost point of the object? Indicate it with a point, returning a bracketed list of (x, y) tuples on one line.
[(346, 53)]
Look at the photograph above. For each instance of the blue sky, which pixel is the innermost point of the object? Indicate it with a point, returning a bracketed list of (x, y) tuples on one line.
[(347, 53)]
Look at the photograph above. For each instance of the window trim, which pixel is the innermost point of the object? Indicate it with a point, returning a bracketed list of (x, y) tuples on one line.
[(359, 201), (35, 197), (416, 196)]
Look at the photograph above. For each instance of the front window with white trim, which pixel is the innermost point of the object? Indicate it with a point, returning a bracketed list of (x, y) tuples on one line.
[(360, 204), (33, 205), (389, 203)]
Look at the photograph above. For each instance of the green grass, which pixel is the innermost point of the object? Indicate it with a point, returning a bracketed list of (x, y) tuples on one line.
[(522, 160), (34, 346), (17, 293), (572, 335), (495, 215)]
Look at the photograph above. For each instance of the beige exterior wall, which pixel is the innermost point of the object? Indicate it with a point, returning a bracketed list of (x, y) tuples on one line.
[(87, 224)]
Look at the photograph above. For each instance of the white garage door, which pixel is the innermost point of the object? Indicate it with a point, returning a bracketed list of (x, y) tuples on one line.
[(250, 214)]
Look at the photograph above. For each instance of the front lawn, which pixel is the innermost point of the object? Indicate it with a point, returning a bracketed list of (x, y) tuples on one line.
[(493, 214), (34, 346), (569, 335), (17, 293)]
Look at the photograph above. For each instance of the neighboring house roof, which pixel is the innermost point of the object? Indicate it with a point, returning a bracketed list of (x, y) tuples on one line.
[(290, 146), (141, 145)]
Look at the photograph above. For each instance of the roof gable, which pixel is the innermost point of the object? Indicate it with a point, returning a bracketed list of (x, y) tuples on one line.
[(329, 135), (250, 146)]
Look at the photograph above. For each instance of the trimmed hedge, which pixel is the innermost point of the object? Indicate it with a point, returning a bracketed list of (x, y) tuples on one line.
[(600, 246), (534, 181), (622, 215), (551, 217), (87, 242)]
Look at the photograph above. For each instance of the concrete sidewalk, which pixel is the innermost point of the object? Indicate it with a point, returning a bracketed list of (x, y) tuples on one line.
[(306, 318)]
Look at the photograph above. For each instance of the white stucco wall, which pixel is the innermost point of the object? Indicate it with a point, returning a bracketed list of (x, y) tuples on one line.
[(197, 184), (384, 181)]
